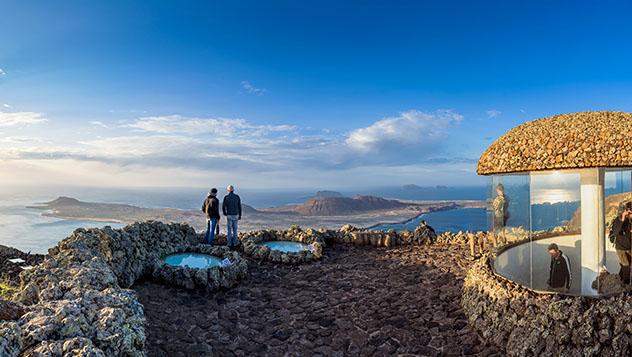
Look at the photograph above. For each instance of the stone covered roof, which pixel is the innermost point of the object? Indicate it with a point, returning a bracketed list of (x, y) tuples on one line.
[(566, 141)]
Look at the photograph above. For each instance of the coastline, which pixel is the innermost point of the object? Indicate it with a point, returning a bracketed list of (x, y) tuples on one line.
[(70, 218)]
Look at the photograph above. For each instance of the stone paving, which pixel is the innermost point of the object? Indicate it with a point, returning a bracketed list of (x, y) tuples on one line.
[(356, 301)]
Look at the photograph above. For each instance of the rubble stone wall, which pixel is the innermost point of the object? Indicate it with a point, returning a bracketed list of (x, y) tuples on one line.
[(526, 323), (77, 300), (208, 279), (315, 239)]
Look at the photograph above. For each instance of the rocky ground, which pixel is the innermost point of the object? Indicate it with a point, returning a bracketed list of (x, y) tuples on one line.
[(9, 272), (355, 301)]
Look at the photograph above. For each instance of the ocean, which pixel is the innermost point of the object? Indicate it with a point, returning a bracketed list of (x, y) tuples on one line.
[(462, 219), (28, 230)]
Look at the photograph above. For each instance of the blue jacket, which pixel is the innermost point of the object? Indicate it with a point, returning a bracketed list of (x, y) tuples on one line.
[(231, 205)]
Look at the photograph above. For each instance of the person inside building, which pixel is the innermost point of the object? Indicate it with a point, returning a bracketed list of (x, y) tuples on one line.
[(560, 272), (425, 233), (500, 208), (620, 235)]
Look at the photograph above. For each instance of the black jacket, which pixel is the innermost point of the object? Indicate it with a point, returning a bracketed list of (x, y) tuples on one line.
[(620, 234), (231, 205), (560, 273), (211, 207)]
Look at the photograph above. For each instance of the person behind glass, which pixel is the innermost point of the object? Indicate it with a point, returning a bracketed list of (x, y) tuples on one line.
[(620, 235), (500, 207), (428, 227), (211, 208), (560, 272), (231, 207)]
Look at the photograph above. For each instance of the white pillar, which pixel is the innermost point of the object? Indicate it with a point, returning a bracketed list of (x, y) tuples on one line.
[(593, 242)]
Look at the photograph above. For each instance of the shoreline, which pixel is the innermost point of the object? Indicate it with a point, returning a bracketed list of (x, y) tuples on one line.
[(100, 220)]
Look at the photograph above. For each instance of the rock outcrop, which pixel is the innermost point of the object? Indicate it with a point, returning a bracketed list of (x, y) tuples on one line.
[(77, 301), (10, 310)]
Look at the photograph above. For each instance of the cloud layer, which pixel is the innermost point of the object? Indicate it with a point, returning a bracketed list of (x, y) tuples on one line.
[(176, 124), (20, 118), (238, 148)]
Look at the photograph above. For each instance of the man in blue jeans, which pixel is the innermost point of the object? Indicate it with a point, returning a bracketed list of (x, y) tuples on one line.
[(211, 208), (231, 207)]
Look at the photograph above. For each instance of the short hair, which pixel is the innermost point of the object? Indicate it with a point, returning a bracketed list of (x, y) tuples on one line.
[(213, 190), (501, 187), (424, 222), (553, 246), (628, 206), (230, 188)]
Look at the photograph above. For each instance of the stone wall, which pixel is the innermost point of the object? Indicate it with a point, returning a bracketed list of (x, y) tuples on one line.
[(315, 239), (77, 300), (526, 323), (207, 279)]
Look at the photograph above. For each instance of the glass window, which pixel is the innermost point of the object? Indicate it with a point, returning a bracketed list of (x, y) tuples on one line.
[(509, 222), (556, 223), (616, 258)]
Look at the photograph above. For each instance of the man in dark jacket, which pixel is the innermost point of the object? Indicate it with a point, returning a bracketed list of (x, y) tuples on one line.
[(560, 273), (210, 207), (621, 235), (231, 207)]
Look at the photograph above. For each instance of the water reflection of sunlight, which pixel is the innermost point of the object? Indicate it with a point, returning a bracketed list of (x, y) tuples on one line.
[(554, 195), (555, 187)]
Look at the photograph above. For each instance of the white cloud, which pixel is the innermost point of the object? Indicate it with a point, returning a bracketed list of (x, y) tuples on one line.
[(6, 105), (99, 123), (197, 126), (237, 148), (493, 113), (248, 87), (20, 118), (410, 129), (2, 72)]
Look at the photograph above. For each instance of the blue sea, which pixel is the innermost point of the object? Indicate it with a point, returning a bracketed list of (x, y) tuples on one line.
[(28, 230), (462, 219)]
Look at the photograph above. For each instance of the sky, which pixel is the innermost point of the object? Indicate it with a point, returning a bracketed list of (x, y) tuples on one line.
[(292, 94)]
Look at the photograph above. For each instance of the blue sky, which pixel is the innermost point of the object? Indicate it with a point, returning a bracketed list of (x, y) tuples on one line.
[(292, 94)]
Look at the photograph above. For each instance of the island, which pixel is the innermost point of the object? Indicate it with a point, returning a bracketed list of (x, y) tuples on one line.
[(321, 211)]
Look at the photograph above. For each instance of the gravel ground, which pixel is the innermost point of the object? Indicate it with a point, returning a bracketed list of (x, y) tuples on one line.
[(355, 301)]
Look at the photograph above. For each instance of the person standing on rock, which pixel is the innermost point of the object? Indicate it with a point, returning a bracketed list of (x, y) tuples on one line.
[(560, 272), (621, 236), (210, 207), (231, 207)]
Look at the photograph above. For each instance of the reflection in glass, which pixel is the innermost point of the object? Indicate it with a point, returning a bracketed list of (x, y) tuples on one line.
[(616, 257)]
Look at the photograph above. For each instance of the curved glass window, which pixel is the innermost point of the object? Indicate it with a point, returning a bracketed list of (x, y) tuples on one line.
[(537, 226)]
